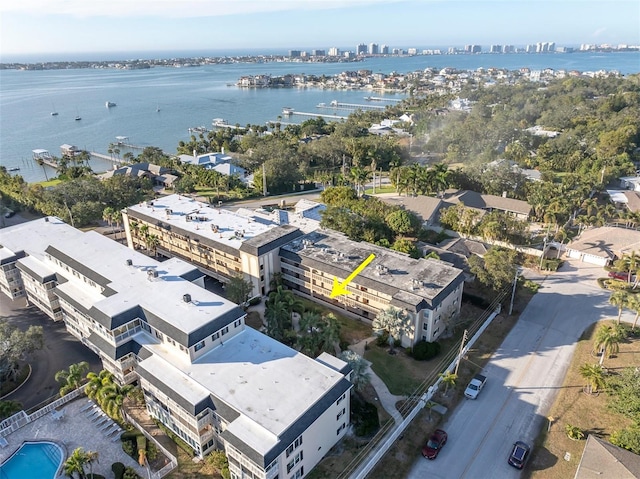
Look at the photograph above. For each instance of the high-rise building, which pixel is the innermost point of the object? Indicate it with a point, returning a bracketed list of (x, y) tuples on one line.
[(334, 52), (495, 49), (384, 49), (294, 53), (318, 53), (373, 49), (361, 49)]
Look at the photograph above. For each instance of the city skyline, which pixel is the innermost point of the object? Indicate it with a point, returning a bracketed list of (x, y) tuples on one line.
[(32, 27)]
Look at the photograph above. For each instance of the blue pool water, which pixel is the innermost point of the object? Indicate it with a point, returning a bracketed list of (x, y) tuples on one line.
[(34, 460)]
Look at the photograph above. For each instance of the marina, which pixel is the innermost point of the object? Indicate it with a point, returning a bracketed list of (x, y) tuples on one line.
[(188, 100), (377, 98)]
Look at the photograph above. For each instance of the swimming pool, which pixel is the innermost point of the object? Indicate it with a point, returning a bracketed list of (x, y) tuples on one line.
[(33, 460)]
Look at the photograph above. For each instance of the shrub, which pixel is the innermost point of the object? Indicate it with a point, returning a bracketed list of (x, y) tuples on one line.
[(127, 447), (574, 432), (220, 463), (141, 444), (118, 470), (130, 473), (383, 339), (364, 416), (425, 350), (152, 450)]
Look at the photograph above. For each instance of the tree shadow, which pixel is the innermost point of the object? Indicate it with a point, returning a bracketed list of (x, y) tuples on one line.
[(543, 459)]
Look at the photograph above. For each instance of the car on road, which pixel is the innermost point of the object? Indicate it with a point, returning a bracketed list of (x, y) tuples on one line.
[(519, 454), (434, 444), (475, 386)]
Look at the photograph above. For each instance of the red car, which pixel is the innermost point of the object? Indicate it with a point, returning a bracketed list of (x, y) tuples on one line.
[(619, 275), (434, 444)]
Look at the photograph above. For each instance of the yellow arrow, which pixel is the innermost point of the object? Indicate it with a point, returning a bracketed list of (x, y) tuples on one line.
[(341, 288)]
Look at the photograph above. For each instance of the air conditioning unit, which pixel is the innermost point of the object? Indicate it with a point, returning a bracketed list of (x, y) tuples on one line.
[(129, 262), (186, 298)]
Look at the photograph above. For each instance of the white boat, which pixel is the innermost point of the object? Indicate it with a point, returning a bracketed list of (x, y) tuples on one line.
[(54, 113), (219, 122), (109, 104), (287, 110)]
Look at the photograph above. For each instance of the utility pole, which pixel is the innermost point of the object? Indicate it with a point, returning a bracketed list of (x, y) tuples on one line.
[(513, 292), (264, 181), (464, 340)]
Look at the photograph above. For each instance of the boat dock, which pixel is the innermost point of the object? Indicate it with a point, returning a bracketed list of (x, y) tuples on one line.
[(44, 157), (107, 157), (124, 141), (378, 98), (316, 115), (336, 105)]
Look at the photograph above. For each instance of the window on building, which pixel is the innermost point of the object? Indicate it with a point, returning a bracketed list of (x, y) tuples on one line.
[(225, 330), (340, 413), (237, 323), (340, 429), (215, 336), (340, 399), (199, 346)]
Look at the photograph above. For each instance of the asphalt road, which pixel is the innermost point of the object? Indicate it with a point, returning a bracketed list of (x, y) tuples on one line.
[(60, 350), (524, 376)]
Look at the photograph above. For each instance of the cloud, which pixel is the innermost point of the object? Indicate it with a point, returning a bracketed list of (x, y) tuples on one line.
[(172, 8)]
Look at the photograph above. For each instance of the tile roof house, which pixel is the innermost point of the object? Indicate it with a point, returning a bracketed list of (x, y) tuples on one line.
[(603, 245)]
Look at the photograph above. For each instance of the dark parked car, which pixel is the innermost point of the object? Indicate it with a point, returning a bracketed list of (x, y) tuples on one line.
[(519, 454), (434, 444)]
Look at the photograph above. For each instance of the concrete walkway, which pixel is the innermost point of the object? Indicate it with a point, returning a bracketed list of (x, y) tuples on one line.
[(387, 400)]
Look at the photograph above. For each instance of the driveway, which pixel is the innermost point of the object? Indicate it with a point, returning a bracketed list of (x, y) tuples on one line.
[(524, 376), (60, 350)]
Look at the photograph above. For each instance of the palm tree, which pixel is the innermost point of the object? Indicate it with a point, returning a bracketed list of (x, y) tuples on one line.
[(360, 375), (619, 299), (9, 408), (359, 176), (276, 316), (152, 242), (72, 377), (75, 463), (91, 456), (606, 342), (633, 303), (594, 374), (449, 379), (395, 322), (96, 383)]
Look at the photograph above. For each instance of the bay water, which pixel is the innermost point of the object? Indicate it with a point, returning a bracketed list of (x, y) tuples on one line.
[(157, 106)]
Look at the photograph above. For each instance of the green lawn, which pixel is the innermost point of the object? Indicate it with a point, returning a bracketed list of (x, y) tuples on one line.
[(47, 184), (351, 330), (384, 189), (399, 372)]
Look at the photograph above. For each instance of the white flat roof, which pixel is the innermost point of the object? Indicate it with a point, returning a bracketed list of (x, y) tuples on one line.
[(271, 384), (226, 221), (162, 296)]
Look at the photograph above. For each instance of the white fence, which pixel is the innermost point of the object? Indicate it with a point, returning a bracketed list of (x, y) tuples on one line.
[(368, 464), (21, 418)]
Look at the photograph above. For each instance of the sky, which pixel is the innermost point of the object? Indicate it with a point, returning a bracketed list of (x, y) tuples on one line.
[(32, 28)]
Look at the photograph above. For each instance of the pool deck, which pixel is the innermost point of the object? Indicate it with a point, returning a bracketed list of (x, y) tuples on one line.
[(72, 430)]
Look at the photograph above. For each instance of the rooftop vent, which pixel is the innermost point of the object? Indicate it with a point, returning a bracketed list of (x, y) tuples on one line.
[(186, 298), (46, 219), (381, 270), (129, 262), (152, 273), (416, 283)]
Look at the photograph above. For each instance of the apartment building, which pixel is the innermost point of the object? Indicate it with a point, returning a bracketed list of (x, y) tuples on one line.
[(428, 290), (220, 242), (207, 376)]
